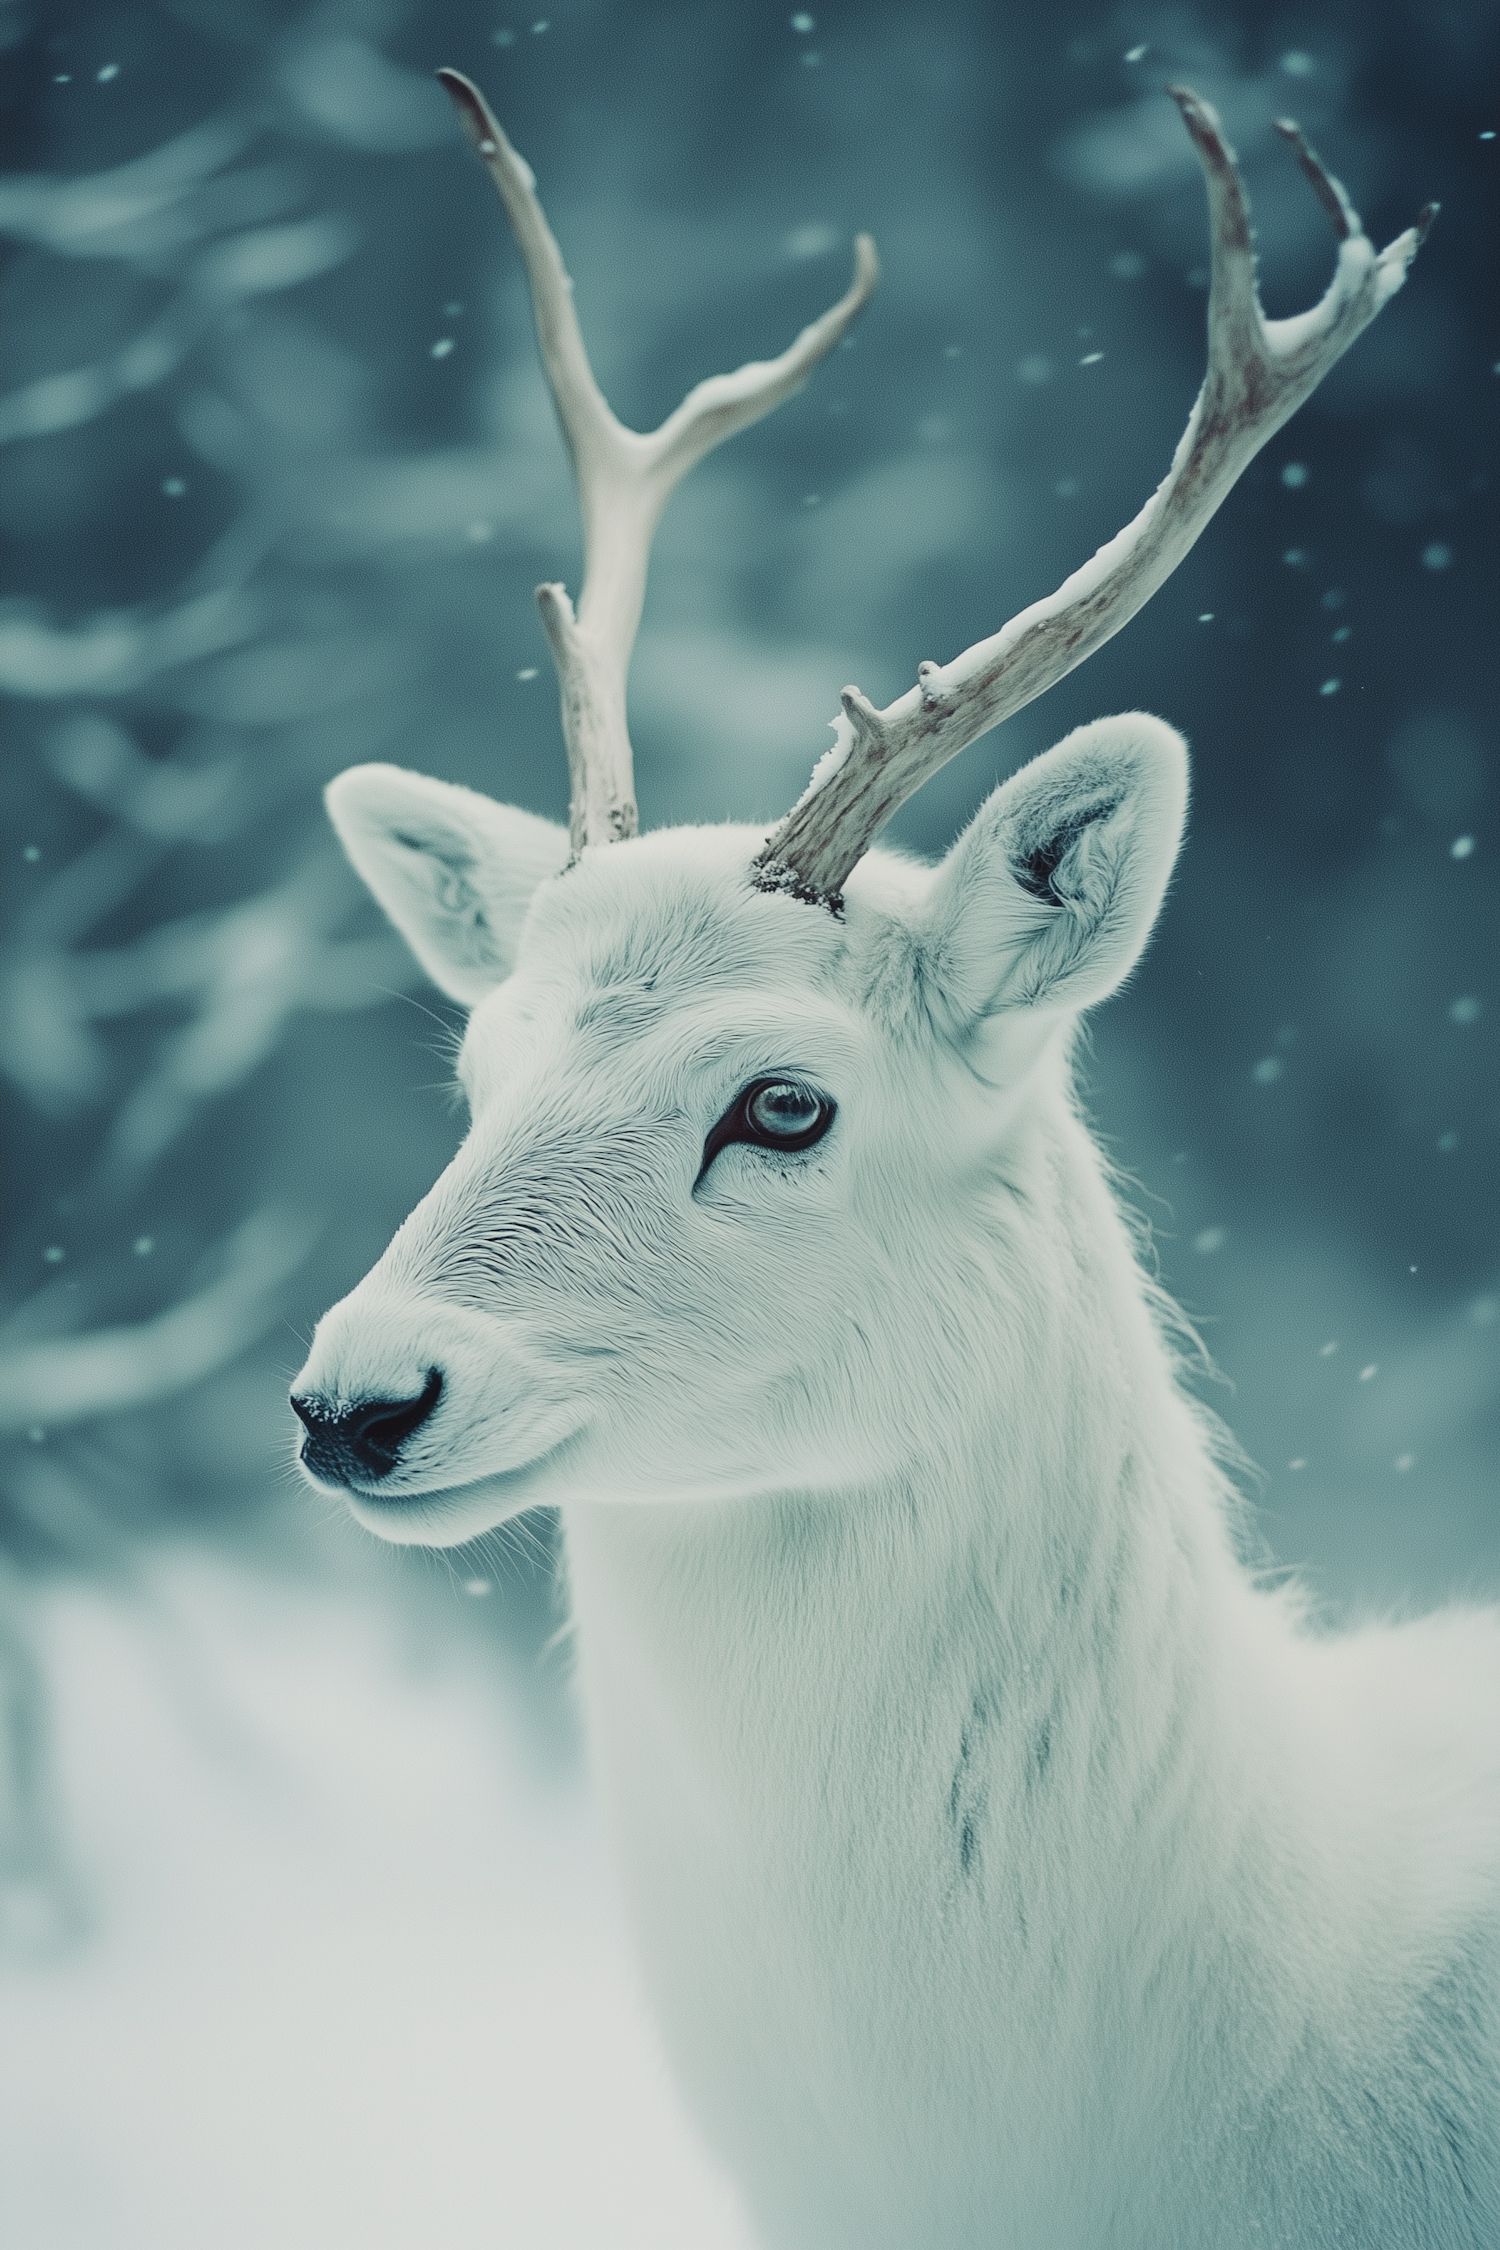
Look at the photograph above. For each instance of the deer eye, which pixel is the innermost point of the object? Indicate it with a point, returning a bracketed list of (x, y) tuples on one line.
[(784, 1113)]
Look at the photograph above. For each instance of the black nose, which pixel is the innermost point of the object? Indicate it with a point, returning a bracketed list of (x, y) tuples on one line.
[(362, 1443)]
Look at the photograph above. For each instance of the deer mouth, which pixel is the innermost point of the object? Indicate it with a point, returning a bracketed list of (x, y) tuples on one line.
[(444, 1515)]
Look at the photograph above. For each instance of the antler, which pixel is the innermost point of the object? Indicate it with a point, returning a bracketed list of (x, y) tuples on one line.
[(1259, 372), (624, 480)]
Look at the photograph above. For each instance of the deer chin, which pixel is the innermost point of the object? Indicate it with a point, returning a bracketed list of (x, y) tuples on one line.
[(447, 1515)]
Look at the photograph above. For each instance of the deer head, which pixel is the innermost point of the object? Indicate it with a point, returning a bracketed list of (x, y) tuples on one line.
[(733, 1095)]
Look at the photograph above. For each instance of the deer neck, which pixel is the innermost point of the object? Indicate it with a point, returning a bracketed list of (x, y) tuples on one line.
[(1057, 1560), (995, 1742)]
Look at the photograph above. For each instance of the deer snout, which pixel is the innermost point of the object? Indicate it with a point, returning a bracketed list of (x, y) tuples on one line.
[(430, 1419), (361, 1442)]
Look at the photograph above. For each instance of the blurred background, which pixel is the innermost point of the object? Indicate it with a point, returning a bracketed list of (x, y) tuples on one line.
[(302, 1925)]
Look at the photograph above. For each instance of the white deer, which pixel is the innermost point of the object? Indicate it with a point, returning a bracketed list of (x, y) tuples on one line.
[(1008, 1865)]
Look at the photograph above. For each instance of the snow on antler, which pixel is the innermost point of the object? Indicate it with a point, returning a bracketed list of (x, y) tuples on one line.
[(624, 478), (1259, 373)]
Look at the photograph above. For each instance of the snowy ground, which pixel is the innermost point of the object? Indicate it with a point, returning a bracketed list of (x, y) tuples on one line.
[(352, 1975)]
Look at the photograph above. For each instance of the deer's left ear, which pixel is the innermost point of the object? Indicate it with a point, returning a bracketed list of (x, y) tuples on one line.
[(454, 871), (1046, 901)]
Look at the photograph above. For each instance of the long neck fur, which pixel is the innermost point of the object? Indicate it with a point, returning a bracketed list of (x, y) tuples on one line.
[(997, 1871)]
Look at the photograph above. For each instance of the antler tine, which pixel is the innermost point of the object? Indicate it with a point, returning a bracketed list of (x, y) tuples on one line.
[(1259, 373), (624, 480)]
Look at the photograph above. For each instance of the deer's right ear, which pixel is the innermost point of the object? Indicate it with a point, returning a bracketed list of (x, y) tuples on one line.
[(454, 871), (1045, 903)]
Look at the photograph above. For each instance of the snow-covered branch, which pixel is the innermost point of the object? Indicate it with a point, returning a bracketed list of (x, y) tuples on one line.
[(73, 1378)]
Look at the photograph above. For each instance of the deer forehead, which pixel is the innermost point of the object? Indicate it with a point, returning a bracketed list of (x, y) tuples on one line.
[(661, 953)]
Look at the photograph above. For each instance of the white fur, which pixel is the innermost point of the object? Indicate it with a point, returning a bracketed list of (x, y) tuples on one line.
[(454, 871), (1010, 1869)]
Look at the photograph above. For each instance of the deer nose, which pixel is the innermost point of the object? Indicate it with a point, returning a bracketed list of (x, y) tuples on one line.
[(362, 1443)]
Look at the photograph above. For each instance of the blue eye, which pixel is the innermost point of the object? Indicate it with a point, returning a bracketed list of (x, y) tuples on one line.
[(786, 1112), (779, 1113)]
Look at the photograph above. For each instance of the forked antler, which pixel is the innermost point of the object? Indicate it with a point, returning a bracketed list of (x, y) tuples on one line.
[(1259, 372), (624, 480)]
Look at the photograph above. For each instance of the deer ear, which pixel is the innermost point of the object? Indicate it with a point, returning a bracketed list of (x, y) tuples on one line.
[(454, 871), (1046, 901)]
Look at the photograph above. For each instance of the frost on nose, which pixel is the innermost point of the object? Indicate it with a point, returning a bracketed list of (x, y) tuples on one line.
[(362, 1442)]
